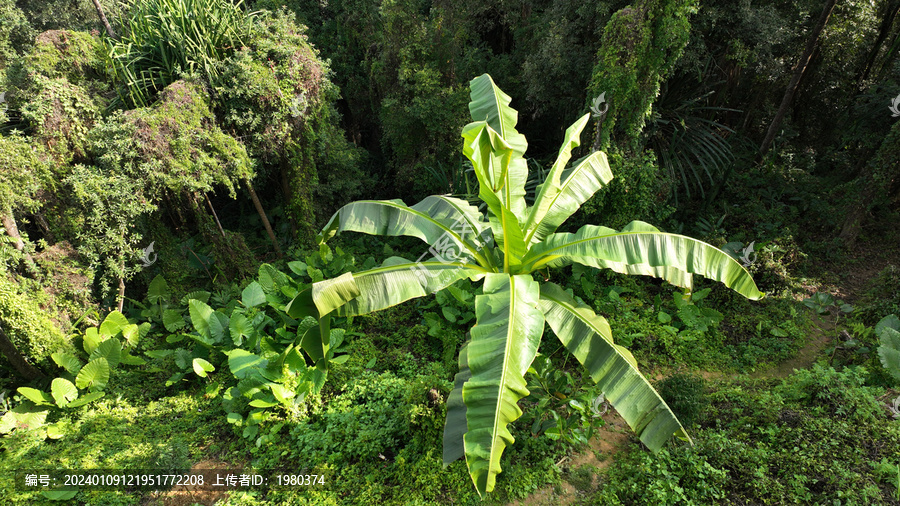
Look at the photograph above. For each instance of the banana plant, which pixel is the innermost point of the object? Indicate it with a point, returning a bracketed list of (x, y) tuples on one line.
[(506, 248)]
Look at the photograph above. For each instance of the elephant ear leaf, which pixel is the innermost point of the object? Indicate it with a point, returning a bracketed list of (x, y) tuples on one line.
[(63, 391), (94, 375)]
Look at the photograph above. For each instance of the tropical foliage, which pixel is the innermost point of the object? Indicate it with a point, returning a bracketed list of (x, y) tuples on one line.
[(503, 249)]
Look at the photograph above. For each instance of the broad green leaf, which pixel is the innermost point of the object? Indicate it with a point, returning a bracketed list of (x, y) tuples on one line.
[(93, 375), (173, 320), (455, 423), (56, 430), (200, 314), (260, 403), (311, 340), (588, 337), (85, 399), (132, 334), (111, 350), (63, 391), (563, 193), (59, 495), (888, 352), (396, 281), (131, 360), (889, 321), (504, 342), (91, 340), (158, 353), (235, 418), (298, 267), (641, 249), (445, 224), (243, 363), (158, 289), (113, 324), (36, 396), (253, 295), (282, 393), (340, 359), (218, 326), (23, 417), (67, 361), (201, 367), (240, 327)]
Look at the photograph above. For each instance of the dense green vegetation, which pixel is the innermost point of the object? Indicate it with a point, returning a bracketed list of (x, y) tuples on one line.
[(174, 296)]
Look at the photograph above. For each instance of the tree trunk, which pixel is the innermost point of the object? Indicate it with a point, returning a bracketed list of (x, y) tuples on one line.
[(121, 297), (103, 20), (795, 78), (9, 223), (891, 11), (9, 350), (216, 216), (262, 216)]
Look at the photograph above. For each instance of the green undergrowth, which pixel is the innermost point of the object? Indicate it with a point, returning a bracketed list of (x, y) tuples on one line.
[(817, 437)]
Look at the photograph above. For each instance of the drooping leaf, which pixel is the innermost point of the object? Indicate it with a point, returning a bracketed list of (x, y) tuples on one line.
[(200, 314), (396, 281), (56, 430), (441, 222), (890, 321), (91, 339), (63, 391), (455, 423), (67, 361), (889, 351), (641, 249), (218, 326), (243, 363), (504, 342), (36, 396), (25, 416), (588, 337), (113, 324), (93, 375), (111, 350), (128, 359), (173, 320), (59, 495)]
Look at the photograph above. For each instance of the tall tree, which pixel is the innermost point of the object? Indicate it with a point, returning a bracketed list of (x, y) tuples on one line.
[(797, 75)]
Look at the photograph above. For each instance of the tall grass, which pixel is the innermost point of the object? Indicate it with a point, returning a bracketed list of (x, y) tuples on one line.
[(163, 39)]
